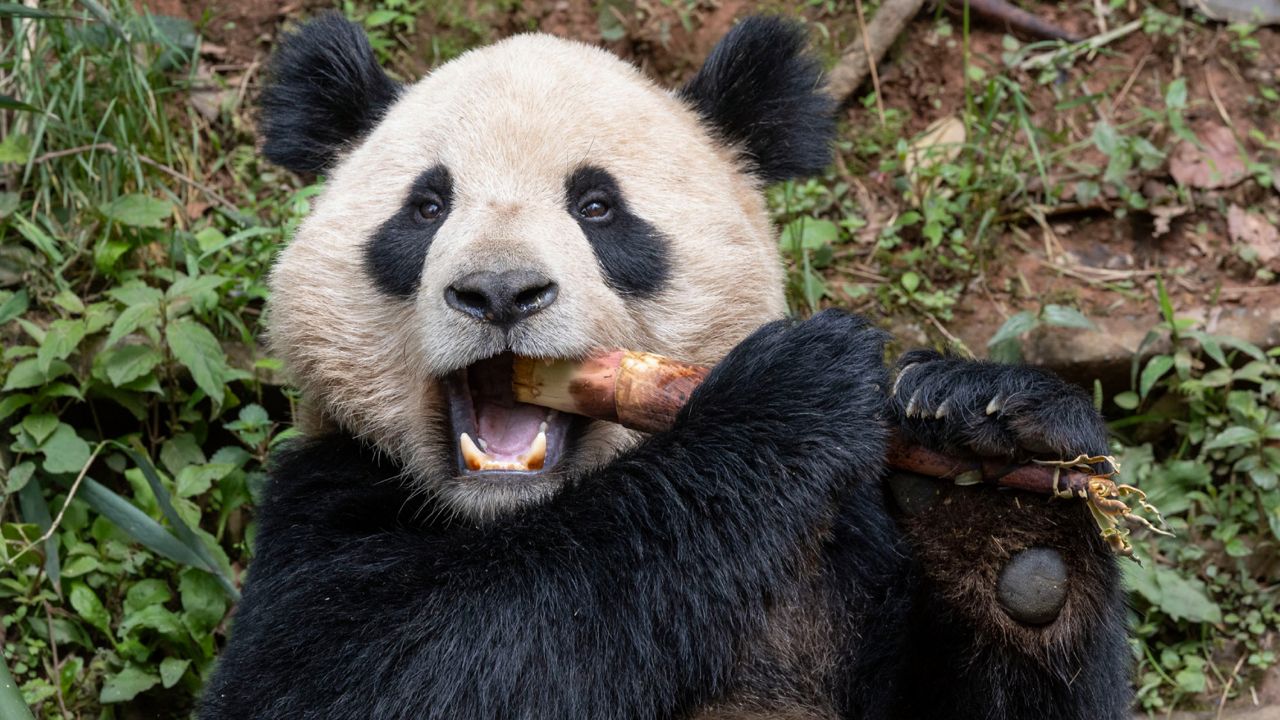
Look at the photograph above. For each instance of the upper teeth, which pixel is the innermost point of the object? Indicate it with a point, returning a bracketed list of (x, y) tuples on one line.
[(479, 459)]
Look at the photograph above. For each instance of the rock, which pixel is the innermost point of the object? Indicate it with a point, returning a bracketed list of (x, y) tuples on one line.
[(1254, 12)]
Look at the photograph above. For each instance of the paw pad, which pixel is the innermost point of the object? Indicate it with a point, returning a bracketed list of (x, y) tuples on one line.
[(1033, 586), (913, 493)]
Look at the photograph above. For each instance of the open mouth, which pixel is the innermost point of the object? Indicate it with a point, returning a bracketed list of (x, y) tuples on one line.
[(494, 434)]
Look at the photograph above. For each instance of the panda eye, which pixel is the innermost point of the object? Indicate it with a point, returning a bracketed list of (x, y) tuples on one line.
[(595, 209), (430, 209)]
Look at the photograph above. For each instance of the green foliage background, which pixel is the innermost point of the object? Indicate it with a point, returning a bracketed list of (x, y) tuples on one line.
[(138, 409)]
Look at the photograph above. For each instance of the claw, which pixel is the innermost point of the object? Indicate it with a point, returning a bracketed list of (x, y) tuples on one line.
[(941, 412), (901, 374), (996, 405), (913, 405)]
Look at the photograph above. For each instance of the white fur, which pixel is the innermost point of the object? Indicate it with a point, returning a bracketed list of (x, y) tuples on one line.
[(510, 122)]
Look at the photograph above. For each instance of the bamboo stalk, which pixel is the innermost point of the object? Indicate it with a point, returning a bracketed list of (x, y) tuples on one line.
[(645, 392)]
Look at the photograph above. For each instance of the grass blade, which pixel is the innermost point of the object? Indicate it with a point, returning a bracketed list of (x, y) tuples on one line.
[(137, 524), (12, 706), (8, 102), (36, 510), (184, 531), (22, 11)]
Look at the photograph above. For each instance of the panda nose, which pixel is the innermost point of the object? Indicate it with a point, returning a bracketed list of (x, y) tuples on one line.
[(501, 298)]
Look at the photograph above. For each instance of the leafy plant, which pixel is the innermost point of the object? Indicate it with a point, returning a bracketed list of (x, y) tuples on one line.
[(1207, 609)]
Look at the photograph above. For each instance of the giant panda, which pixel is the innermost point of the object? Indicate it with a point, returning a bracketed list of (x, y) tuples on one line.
[(541, 197)]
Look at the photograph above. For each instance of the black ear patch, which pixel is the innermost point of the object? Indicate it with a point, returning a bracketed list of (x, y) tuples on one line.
[(324, 90), (761, 92)]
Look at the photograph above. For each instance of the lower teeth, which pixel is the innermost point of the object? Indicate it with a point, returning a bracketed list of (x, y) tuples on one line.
[(477, 457)]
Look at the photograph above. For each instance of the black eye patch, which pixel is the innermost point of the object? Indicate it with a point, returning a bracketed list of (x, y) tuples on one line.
[(394, 256), (631, 252)]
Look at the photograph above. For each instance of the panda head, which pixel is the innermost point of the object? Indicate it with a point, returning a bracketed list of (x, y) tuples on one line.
[(537, 197)]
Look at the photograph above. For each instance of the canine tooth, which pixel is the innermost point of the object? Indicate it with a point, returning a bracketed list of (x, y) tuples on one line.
[(543, 426), (536, 455), (475, 458), (484, 444), (996, 405)]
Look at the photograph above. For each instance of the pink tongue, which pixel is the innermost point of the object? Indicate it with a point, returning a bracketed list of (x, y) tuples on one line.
[(508, 431)]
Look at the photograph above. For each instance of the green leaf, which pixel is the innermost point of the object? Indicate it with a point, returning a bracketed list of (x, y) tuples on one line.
[(128, 363), (1175, 96), (910, 281), (65, 451), (60, 340), (196, 479), (27, 374), (1015, 327), (9, 9), (1178, 597), (80, 565), (1106, 138), (126, 685), (809, 234), (153, 617), (196, 348), (13, 403), (184, 531), (172, 670), (1232, 437), (36, 510), (145, 593), (40, 426), (137, 524), (133, 317), (15, 148), (12, 705), (380, 17), (89, 607), (1067, 317), (19, 476), (137, 210), (13, 306), (1127, 400), (203, 602), (1156, 368)]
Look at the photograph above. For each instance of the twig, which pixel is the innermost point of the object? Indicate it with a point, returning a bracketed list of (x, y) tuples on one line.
[(1217, 101), (111, 148), (57, 664), (856, 60), (1222, 701), (1016, 18), (1091, 45), (875, 75), (71, 494), (1128, 84)]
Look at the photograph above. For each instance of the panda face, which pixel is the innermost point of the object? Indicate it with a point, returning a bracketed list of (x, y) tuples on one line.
[(536, 198)]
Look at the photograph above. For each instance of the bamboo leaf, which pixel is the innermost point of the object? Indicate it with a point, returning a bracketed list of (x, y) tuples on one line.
[(137, 524)]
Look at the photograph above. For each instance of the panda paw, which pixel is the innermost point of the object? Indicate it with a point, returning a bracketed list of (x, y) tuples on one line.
[(797, 386), (993, 410)]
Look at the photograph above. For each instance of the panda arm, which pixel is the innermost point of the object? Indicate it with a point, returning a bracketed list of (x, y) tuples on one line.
[(630, 594)]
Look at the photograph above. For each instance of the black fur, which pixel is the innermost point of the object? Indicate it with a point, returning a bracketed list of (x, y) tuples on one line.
[(760, 92), (643, 589), (632, 253), (394, 256), (324, 90), (631, 594)]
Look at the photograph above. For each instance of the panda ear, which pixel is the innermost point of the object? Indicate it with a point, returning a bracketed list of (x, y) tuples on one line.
[(324, 90), (761, 92)]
